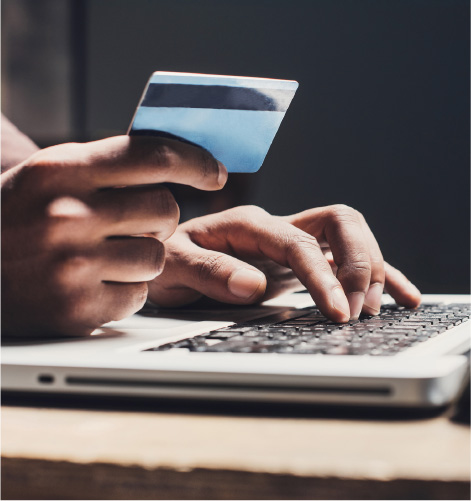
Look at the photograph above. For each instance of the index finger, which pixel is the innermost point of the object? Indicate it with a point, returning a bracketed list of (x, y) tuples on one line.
[(356, 255), (125, 161)]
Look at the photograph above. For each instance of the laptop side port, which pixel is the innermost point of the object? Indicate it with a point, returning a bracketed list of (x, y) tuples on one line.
[(46, 378)]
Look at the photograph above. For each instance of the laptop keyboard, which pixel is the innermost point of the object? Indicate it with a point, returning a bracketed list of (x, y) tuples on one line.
[(307, 331)]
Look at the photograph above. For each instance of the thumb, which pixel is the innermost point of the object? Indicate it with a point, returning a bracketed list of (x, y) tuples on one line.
[(207, 272)]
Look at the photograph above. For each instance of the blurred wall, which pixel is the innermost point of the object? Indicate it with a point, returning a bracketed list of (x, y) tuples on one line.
[(37, 67), (380, 121)]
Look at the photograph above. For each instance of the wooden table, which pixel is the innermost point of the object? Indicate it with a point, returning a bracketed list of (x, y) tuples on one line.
[(179, 452)]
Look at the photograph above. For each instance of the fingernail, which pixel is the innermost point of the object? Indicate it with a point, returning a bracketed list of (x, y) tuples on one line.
[(372, 302), (340, 302), (222, 176), (355, 300), (245, 283)]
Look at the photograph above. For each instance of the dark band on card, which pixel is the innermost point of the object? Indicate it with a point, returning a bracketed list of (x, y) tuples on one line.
[(216, 97)]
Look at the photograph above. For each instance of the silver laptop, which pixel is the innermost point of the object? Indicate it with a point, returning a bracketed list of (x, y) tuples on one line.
[(281, 351)]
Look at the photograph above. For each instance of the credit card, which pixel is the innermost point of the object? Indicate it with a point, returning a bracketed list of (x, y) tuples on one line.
[(234, 118)]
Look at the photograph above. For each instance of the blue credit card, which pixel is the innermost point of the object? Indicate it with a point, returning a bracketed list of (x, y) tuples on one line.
[(234, 118)]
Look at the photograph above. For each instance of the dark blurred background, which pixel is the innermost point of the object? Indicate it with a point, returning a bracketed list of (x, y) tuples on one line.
[(380, 121)]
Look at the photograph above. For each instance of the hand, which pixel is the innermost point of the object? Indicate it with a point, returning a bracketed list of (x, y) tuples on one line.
[(83, 226), (328, 250)]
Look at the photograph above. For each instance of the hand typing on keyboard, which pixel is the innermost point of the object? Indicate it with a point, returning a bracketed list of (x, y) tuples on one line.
[(245, 255)]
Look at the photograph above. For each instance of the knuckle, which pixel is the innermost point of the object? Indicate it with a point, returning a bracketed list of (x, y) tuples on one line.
[(359, 266), (35, 175), (56, 228), (299, 243), (41, 169), (361, 217), (166, 205), (246, 213), (67, 208), (56, 156), (53, 230), (342, 208), (296, 242), (167, 213), (253, 210), (208, 268), (69, 268), (341, 214), (62, 153), (163, 155)]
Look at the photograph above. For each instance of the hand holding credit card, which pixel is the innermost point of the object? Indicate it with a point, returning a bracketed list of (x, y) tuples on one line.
[(234, 118)]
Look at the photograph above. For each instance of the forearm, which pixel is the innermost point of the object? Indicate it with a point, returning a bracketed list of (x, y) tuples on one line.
[(16, 147)]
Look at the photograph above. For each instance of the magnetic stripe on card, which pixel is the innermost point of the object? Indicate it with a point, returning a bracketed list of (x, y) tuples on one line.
[(164, 95)]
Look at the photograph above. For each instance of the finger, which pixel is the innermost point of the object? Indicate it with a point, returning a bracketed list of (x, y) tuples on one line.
[(372, 303), (340, 228), (354, 249), (136, 210), (125, 160), (213, 274), (400, 288), (133, 259), (119, 300), (352, 254), (88, 307)]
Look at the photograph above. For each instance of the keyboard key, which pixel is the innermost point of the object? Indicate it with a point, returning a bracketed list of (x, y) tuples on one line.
[(224, 334)]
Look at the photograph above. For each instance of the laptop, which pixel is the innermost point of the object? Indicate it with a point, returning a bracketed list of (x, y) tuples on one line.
[(282, 351)]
